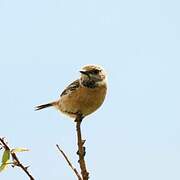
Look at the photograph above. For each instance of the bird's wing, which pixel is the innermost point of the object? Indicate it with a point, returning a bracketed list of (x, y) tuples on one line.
[(73, 86)]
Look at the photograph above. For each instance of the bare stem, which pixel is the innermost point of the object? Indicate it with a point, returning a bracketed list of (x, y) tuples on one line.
[(81, 149), (69, 163), (15, 158)]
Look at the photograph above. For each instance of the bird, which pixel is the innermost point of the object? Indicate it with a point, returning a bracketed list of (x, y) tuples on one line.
[(83, 96)]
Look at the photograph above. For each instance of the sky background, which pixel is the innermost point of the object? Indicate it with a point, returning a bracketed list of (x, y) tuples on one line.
[(136, 133)]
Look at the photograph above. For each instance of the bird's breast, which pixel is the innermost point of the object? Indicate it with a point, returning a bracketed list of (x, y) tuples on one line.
[(83, 100)]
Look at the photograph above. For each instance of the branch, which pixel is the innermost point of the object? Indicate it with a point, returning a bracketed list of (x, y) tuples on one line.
[(81, 148), (69, 163), (15, 158)]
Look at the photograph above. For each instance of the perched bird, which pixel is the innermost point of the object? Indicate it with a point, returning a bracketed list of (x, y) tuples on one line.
[(83, 96)]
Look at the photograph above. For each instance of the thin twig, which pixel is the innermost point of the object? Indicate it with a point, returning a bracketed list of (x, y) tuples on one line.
[(81, 149), (15, 158), (69, 163)]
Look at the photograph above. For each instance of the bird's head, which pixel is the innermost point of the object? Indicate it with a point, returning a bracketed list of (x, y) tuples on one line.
[(93, 74)]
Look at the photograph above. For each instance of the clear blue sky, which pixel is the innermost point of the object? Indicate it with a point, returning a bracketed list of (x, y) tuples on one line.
[(136, 133)]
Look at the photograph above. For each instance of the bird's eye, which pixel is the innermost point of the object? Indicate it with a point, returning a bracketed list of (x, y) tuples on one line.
[(95, 71)]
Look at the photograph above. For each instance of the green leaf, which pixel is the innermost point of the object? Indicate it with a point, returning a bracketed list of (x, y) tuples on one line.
[(16, 150), (3, 167), (6, 156), (5, 159)]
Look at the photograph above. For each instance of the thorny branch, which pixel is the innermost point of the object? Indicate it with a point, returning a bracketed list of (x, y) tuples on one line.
[(16, 160), (81, 152), (81, 148)]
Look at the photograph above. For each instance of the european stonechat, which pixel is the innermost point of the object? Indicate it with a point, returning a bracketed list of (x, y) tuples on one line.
[(83, 96)]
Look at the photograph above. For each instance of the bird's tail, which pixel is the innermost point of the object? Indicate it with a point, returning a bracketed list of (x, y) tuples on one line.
[(45, 106)]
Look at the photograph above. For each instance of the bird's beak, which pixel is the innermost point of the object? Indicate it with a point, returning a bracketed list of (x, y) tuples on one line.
[(84, 72)]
